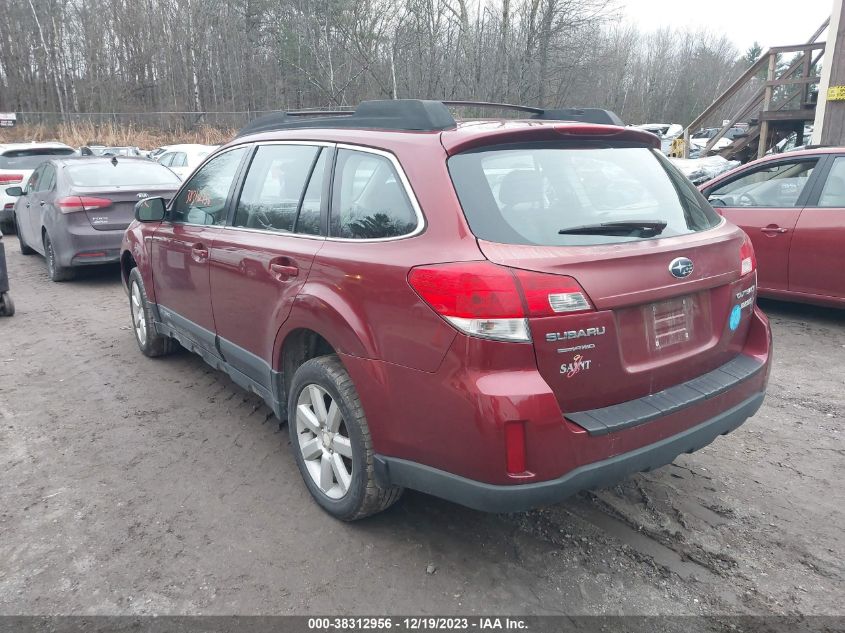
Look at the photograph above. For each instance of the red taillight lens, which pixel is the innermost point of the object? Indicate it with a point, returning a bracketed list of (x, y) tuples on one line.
[(747, 259), (10, 179), (72, 204), (547, 295), (515, 447), (8, 205), (484, 299), (469, 290)]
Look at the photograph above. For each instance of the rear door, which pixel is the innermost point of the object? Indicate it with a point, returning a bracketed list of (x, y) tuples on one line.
[(181, 245), (29, 209), (817, 255), (633, 310), (765, 202), (261, 261)]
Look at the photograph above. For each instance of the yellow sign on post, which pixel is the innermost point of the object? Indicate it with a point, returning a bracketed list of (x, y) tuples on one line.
[(836, 93)]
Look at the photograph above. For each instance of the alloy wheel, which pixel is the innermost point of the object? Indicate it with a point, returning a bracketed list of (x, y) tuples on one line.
[(139, 319), (324, 441)]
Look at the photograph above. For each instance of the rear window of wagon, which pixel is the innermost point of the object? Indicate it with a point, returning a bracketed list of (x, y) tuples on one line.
[(526, 194)]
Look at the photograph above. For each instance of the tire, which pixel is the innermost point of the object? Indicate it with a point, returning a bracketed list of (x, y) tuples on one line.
[(25, 249), (324, 440), (7, 306), (150, 342), (7, 228), (56, 272)]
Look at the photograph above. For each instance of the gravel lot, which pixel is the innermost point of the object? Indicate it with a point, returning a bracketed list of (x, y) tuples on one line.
[(137, 486)]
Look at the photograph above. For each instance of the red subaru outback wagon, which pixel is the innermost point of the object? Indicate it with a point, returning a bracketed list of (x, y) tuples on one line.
[(496, 312)]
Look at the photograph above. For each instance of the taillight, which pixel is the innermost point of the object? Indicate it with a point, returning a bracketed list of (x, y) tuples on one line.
[(747, 259), (547, 295), (72, 204), (483, 299), (10, 179)]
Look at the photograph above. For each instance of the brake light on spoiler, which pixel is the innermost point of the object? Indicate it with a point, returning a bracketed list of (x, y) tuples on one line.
[(491, 301), (72, 204)]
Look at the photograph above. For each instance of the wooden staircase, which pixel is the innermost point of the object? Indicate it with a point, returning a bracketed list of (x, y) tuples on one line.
[(781, 104)]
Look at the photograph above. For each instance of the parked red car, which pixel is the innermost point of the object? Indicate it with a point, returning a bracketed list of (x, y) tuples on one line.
[(792, 206), (500, 313)]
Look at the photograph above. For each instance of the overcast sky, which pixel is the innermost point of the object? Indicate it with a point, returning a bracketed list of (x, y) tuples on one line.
[(770, 22)]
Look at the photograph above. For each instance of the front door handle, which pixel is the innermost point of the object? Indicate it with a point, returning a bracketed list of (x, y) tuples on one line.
[(42, 203), (199, 253), (773, 230), (283, 272)]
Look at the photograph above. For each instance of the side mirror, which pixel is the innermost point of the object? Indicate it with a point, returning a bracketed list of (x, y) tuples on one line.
[(15, 192), (150, 210)]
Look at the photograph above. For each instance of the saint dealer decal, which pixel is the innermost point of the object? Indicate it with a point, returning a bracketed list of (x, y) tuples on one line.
[(577, 365)]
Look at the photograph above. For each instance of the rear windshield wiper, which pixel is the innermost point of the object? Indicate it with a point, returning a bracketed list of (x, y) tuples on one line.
[(633, 228)]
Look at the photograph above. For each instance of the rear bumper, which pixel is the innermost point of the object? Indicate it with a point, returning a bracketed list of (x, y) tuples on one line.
[(77, 243), (516, 498)]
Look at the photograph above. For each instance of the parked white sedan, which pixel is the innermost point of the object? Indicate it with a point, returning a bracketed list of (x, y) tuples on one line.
[(183, 159), (17, 162)]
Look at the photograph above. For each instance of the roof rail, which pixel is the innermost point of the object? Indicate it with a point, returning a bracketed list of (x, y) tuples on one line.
[(411, 115)]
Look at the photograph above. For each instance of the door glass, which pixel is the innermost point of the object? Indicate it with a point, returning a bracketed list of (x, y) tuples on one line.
[(32, 183), (203, 199), (777, 185), (368, 199), (48, 179), (833, 194), (272, 188), (167, 159), (180, 159), (308, 220)]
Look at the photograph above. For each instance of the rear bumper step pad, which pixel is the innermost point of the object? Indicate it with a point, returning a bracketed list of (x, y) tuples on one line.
[(629, 414)]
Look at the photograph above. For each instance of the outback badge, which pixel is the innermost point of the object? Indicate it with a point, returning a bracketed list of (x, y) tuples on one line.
[(681, 267)]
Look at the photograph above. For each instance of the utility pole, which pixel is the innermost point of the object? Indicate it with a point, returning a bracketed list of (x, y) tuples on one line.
[(829, 127)]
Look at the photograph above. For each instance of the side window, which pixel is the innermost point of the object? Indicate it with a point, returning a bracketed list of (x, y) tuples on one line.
[(167, 159), (273, 187), (47, 179), (368, 199), (308, 220), (34, 179), (833, 194), (203, 199), (778, 185), (180, 159)]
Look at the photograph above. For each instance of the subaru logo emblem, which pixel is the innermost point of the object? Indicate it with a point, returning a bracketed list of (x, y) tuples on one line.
[(681, 267)]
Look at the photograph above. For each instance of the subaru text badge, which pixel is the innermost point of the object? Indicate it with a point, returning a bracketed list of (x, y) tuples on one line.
[(681, 267)]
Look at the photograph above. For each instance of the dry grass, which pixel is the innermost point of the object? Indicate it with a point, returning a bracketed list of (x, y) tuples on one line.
[(77, 134)]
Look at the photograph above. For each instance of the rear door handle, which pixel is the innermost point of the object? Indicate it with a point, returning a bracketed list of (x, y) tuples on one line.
[(199, 253), (283, 272), (42, 203), (773, 230)]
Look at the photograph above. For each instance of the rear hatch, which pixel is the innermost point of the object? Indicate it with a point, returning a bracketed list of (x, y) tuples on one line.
[(107, 189), (652, 291)]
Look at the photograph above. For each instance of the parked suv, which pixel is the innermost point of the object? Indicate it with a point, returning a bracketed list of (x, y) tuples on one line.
[(496, 312)]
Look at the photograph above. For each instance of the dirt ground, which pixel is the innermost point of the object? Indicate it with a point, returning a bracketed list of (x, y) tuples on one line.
[(138, 486)]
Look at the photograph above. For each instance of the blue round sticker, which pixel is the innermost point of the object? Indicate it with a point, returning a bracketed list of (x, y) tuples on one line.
[(736, 315)]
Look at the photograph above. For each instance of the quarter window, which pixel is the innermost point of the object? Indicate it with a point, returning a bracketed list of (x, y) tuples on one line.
[(203, 199), (778, 186), (833, 194), (273, 188), (369, 200)]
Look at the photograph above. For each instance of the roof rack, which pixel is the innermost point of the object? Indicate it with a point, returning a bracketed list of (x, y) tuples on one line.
[(410, 115)]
